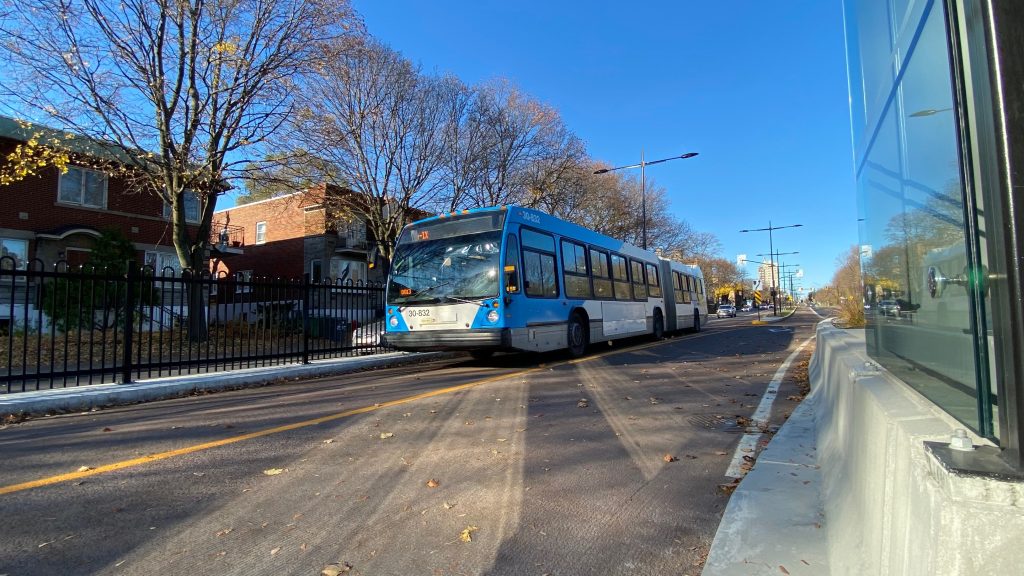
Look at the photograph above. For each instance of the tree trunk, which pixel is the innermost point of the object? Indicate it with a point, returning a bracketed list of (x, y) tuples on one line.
[(197, 300)]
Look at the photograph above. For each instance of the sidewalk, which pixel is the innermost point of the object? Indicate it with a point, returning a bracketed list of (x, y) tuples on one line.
[(81, 398)]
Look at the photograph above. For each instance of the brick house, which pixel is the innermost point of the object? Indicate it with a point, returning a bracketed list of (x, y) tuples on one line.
[(296, 234), (55, 216)]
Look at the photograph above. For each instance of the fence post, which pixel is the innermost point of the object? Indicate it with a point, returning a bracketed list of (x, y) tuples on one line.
[(129, 307), (305, 318)]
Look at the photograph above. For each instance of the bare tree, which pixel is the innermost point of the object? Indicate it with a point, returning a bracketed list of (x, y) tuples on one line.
[(519, 142), (382, 123), (463, 146), (185, 93)]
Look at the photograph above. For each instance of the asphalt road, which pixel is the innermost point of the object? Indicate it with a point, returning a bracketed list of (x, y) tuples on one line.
[(519, 465)]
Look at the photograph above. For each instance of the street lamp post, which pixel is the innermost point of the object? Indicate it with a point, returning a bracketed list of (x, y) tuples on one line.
[(789, 276), (779, 267), (771, 249), (643, 185)]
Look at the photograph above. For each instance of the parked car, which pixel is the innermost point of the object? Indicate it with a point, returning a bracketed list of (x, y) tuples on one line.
[(369, 336), (889, 307), (726, 311)]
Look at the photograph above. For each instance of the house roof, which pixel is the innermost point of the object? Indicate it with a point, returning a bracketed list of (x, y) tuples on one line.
[(22, 131)]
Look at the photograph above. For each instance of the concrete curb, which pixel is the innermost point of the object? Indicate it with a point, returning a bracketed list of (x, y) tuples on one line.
[(96, 395)]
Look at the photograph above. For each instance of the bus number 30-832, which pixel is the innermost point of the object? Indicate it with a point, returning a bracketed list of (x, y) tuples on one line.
[(415, 313)]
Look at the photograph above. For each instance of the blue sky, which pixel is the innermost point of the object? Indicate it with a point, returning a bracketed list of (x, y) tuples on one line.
[(757, 88)]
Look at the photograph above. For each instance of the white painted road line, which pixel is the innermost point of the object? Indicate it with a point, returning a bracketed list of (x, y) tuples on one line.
[(761, 416)]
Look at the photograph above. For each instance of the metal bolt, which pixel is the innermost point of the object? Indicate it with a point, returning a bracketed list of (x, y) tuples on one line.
[(960, 441)]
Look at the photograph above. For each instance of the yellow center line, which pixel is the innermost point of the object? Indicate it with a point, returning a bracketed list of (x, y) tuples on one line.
[(306, 423)]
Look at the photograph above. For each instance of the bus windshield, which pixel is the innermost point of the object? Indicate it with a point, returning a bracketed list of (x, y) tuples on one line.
[(447, 261)]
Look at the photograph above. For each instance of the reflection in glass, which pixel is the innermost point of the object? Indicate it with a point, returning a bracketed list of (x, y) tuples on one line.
[(911, 197)]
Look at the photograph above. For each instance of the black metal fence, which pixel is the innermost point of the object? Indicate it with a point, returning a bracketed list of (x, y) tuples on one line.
[(76, 327)]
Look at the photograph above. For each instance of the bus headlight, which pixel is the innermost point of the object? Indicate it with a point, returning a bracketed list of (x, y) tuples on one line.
[(393, 321), (492, 316)]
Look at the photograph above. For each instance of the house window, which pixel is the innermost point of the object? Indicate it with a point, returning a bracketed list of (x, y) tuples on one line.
[(242, 281), (191, 207), (163, 263), (316, 271), (261, 232), (83, 187), (347, 271), (13, 254)]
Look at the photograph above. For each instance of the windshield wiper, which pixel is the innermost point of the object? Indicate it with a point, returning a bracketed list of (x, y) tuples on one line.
[(477, 302)]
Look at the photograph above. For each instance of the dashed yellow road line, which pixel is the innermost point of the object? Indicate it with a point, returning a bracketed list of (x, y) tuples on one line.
[(48, 481)]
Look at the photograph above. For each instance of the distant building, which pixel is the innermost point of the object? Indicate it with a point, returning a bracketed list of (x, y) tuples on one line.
[(296, 234)]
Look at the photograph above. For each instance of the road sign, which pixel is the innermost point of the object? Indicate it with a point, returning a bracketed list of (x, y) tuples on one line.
[(757, 298)]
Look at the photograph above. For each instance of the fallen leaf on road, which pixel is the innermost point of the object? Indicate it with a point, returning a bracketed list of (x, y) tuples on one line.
[(448, 506), (329, 440), (433, 483), (85, 468), (467, 534), (722, 453), (728, 488), (275, 551), (273, 471), (224, 532), (669, 458), (386, 435), (783, 569), (335, 569), (583, 403), (108, 429)]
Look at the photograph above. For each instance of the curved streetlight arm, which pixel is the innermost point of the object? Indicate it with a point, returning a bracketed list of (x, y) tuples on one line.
[(642, 164)]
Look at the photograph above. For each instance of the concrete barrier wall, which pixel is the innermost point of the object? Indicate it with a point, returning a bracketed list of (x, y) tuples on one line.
[(891, 508)]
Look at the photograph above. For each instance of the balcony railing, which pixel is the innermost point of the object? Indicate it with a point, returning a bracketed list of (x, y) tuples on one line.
[(223, 236)]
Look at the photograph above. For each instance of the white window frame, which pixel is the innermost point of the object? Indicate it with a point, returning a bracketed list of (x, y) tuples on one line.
[(261, 232), (160, 260), (191, 205), (21, 260), (81, 187), (243, 276)]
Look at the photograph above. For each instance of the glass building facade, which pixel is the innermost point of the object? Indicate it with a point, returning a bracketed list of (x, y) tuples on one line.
[(932, 96)]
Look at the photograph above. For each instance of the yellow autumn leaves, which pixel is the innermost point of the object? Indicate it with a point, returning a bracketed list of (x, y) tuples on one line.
[(30, 159)]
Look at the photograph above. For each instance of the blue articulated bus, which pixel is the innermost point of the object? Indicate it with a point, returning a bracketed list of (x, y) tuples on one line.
[(515, 279)]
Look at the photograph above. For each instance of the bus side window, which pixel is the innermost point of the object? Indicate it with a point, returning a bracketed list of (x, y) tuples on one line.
[(512, 265), (653, 282), (639, 284), (602, 274), (621, 278)]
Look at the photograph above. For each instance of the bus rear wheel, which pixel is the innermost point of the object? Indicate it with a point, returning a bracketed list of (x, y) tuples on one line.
[(696, 321), (577, 336)]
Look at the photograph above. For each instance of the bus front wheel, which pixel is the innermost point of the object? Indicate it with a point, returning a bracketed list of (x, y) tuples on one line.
[(659, 326), (577, 335)]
